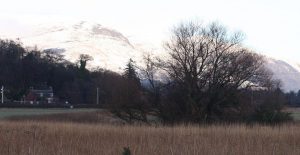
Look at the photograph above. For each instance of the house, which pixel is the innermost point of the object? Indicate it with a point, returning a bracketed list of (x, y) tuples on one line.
[(43, 95)]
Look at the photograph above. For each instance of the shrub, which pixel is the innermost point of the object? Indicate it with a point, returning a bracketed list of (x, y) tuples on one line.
[(126, 151)]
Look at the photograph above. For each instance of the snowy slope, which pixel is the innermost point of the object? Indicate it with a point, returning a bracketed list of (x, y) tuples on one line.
[(289, 75), (109, 48), (112, 50)]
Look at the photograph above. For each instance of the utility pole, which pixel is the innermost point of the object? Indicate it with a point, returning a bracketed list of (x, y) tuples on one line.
[(251, 97), (97, 95), (2, 94)]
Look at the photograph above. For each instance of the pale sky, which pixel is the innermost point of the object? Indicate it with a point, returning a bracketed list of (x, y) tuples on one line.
[(272, 27)]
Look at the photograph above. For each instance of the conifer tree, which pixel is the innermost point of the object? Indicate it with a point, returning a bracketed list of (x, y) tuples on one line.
[(131, 74)]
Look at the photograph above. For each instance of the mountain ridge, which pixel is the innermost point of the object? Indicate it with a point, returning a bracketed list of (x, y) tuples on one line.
[(112, 50)]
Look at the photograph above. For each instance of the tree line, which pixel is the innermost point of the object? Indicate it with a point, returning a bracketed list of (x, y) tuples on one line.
[(293, 98), (21, 69), (208, 76)]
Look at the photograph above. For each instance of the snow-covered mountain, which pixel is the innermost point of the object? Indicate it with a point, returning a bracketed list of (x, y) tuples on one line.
[(110, 49), (289, 75)]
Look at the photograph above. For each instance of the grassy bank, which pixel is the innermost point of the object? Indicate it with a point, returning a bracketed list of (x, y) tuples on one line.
[(47, 138), (21, 112), (295, 112)]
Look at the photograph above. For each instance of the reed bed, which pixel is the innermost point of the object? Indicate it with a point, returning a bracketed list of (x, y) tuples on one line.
[(61, 138)]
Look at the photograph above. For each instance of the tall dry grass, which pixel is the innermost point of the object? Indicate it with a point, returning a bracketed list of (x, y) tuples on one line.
[(49, 138)]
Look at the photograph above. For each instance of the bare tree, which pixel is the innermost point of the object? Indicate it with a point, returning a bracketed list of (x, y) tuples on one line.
[(151, 73), (209, 66)]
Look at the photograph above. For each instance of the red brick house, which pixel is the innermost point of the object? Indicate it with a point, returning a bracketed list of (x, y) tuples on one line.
[(40, 96)]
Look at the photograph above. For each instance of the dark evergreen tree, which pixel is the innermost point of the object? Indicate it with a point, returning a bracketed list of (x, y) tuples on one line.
[(128, 103), (131, 74)]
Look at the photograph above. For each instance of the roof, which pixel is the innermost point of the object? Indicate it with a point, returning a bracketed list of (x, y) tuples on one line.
[(41, 91)]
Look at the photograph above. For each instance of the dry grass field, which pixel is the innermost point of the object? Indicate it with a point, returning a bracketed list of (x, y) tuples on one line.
[(100, 133), (49, 138)]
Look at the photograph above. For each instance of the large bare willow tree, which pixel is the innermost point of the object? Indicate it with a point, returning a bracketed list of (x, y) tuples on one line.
[(208, 66)]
